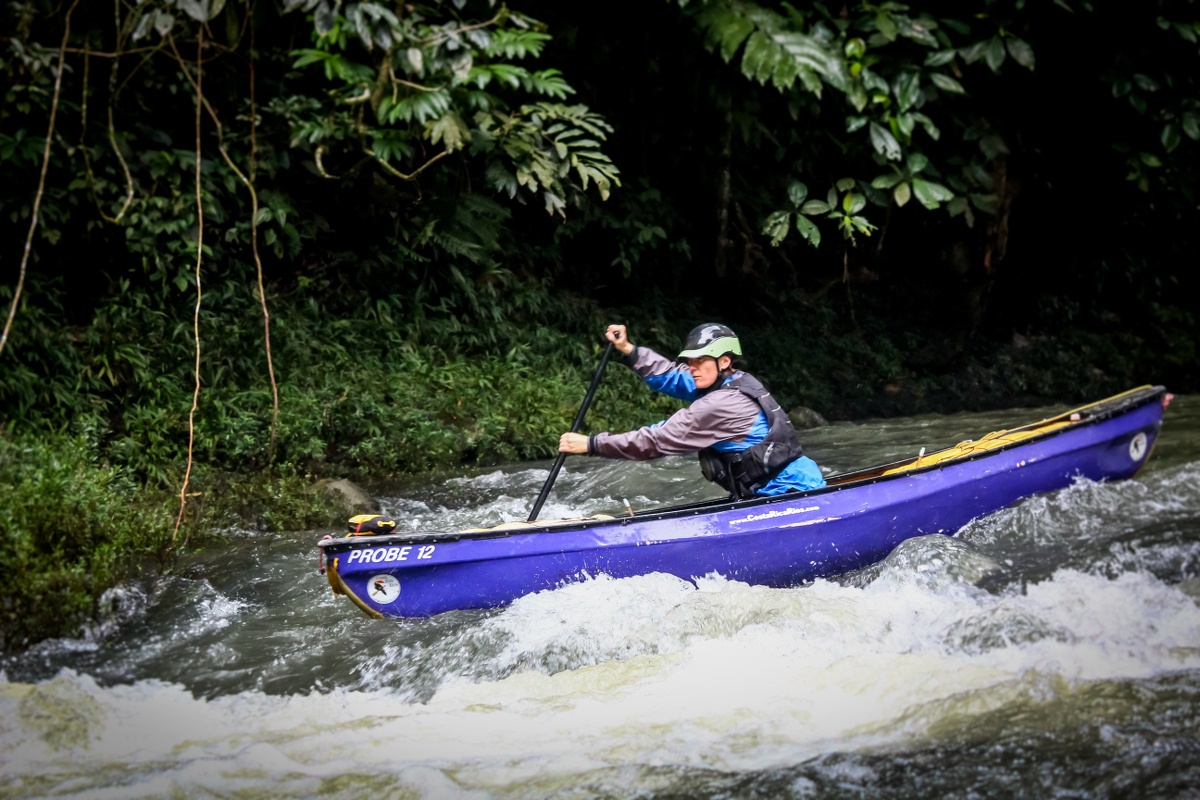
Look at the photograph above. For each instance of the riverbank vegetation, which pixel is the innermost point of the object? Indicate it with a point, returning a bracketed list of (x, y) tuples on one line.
[(272, 243)]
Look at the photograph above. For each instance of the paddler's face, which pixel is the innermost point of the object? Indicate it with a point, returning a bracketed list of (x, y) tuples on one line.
[(705, 370)]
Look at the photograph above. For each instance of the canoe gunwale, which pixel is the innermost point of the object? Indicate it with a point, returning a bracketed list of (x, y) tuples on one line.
[(1088, 415)]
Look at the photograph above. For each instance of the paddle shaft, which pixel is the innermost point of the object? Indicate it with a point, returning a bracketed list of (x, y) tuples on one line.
[(558, 462)]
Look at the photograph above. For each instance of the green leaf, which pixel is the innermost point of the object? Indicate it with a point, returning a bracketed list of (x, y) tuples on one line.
[(946, 83), (887, 181), (976, 51), (194, 8), (1170, 136), (143, 27), (855, 123), (163, 22), (415, 60), (940, 58), (1191, 125), (858, 97), (908, 90), (843, 185), (732, 36), (808, 77), (987, 203), (797, 192), (1145, 82), (861, 225), (916, 162), (884, 143), (815, 207), (554, 203), (1150, 160), (1020, 50), (324, 18), (450, 129), (548, 82), (886, 25), (807, 229), (874, 81), (421, 107), (920, 30), (993, 146), (512, 43), (994, 54), (931, 194), (811, 53), (785, 72), (759, 57), (902, 194), (853, 203), (307, 57), (957, 25), (925, 122), (777, 226)]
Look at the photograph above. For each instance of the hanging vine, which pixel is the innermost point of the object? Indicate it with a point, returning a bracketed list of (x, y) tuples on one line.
[(248, 182), (262, 292), (198, 84), (37, 200)]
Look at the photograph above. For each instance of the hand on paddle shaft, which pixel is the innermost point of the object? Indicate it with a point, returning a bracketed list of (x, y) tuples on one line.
[(577, 443)]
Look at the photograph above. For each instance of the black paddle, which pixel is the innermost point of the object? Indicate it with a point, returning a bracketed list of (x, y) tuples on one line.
[(558, 462)]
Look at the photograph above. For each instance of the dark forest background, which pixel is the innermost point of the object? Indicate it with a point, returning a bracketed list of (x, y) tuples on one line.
[(411, 223)]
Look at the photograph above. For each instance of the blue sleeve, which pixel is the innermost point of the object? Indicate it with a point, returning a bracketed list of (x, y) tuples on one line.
[(676, 383), (663, 375)]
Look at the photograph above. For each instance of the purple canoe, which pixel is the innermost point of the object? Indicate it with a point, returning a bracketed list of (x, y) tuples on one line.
[(856, 520)]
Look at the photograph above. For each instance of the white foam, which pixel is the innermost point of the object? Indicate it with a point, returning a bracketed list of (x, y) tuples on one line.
[(649, 670)]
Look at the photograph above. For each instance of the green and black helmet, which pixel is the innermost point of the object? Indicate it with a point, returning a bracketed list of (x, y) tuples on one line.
[(712, 340)]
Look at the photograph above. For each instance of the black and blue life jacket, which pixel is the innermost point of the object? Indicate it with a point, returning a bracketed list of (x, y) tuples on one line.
[(744, 472)]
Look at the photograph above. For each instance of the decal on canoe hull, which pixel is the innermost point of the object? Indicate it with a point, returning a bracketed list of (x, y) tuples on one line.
[(383, 589), (1137, 446)]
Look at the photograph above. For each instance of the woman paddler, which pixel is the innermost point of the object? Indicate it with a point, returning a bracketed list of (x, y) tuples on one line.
[(745, 440)]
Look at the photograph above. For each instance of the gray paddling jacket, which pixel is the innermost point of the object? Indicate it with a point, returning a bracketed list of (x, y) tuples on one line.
[(744, 438)]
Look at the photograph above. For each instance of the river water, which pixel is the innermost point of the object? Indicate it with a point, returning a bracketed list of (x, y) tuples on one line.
[(1048, 650)]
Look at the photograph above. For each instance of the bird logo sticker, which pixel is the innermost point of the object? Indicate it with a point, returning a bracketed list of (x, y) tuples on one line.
[(1137, 447), (383, 589)]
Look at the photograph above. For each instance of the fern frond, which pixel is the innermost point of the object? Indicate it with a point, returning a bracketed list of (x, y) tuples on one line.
[(512, 43)]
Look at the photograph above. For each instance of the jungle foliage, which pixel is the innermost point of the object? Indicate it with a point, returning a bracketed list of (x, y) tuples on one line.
[(320, 237)]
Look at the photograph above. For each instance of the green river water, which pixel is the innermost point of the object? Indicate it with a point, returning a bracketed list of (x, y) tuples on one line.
[(1049, 650)]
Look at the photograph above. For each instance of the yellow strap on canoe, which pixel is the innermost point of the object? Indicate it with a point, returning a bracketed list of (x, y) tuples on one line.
[(998, 439), (992, 441)]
